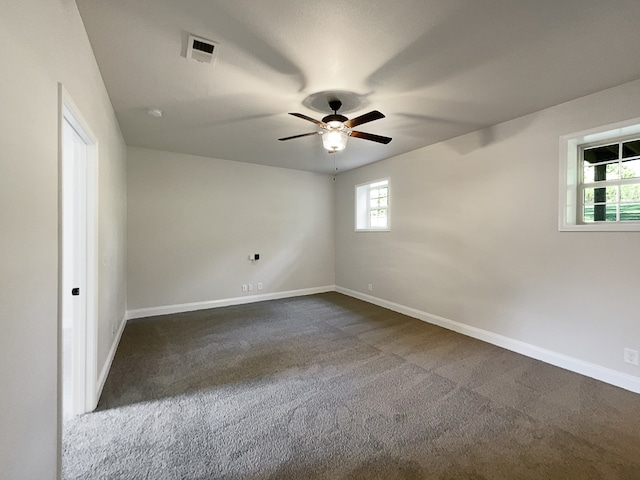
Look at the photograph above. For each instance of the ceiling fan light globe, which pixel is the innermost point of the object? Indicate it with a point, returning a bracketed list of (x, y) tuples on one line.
[(335, 140)]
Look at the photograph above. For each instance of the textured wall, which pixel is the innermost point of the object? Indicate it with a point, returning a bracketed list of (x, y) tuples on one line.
[(41, 44), (474, 238), (193, 221)]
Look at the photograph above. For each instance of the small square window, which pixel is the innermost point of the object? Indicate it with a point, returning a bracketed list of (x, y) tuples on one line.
[(372, 206)]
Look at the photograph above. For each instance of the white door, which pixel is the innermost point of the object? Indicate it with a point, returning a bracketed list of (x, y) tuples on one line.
[(77, 227)]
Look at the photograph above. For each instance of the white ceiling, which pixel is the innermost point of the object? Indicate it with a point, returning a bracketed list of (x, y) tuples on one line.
[(435, 68)]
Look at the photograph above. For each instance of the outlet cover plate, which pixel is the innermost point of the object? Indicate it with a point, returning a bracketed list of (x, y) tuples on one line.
[(631, 356)]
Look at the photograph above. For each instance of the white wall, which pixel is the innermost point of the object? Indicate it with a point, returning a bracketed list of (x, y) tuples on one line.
[(41, 44), (475, 238), (193, 221)]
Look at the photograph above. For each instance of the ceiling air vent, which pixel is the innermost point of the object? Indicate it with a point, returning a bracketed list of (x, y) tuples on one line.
[(201, 49)]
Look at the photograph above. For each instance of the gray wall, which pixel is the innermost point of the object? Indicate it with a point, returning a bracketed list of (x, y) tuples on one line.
[(193, 221), (41, 44), (474, 238)]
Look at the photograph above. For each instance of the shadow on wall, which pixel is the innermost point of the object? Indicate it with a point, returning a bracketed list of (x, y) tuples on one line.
[(479, 139)]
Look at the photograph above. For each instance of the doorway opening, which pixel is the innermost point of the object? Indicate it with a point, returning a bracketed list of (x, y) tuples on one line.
[(77, 262)]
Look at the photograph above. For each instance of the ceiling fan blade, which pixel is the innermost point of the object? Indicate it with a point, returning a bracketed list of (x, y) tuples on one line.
[(301, 135), (309, 119), (370, 136), (367, 117)]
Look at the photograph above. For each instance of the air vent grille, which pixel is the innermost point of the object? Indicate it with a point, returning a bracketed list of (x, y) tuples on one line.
[(201, 49)]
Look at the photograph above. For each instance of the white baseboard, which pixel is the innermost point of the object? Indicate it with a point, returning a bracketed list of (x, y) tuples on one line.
[(604, 374), (189, 307), (107, 365)]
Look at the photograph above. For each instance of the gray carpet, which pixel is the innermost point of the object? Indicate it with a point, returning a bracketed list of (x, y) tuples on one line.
[(327, 386)]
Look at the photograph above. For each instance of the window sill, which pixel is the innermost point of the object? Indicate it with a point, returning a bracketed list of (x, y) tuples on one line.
[(591, 227)]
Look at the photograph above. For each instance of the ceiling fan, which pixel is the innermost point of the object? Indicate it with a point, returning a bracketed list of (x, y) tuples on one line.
[(336, 128)]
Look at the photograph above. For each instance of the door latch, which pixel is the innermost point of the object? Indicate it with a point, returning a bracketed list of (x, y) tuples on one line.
[(75, 291)]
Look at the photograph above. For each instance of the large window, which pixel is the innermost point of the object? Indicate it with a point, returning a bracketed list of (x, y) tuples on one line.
[(372, 206), (600, 179)]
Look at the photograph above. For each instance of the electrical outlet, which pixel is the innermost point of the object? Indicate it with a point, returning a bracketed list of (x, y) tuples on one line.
[(251, 287), (244, 288), (370, 287), (259, 286), (631, 356)]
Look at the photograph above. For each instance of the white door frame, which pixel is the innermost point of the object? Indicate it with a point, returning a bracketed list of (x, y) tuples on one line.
[(85, 386)]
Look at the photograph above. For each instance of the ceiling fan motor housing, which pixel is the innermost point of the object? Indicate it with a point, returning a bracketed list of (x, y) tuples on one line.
[(334, 118)]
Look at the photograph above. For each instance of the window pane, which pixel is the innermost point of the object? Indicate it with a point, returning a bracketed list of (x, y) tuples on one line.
[(631, 149), (379, 202), (600, 213), (378, 192), (631, 169), (630, 212), (379, 218), (601, 154), (598, 173), (379, 222), (601, 195), (630, 193), (612, 213)]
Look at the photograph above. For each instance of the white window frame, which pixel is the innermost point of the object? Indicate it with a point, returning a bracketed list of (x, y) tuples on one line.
[(363, 206), (570, 176)]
